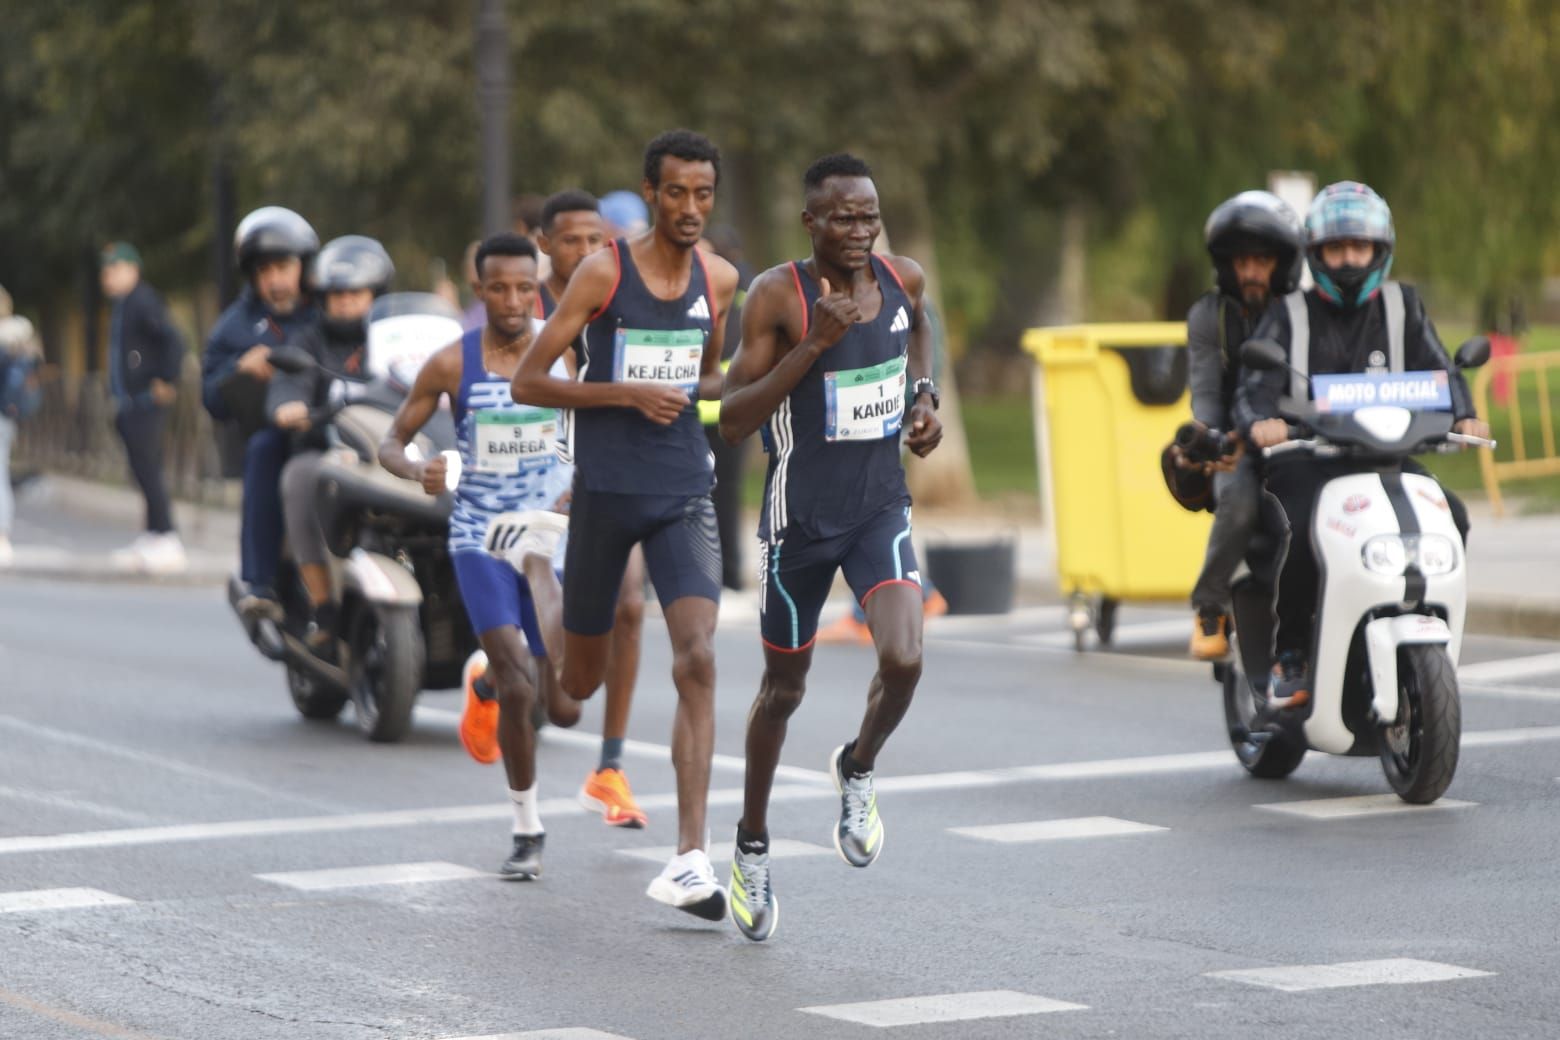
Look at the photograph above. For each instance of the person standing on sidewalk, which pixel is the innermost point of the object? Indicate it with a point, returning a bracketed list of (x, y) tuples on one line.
[(145, 353), (19, 356)]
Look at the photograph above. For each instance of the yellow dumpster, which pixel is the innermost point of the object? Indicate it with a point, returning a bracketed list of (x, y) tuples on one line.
[(1107, 399)]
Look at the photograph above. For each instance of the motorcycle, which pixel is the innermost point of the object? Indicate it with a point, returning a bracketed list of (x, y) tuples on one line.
[(1392, 593), (401, 627)]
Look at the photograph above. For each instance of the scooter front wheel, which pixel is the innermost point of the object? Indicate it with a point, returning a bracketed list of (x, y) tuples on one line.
[(1419, 753), (386, 669), (1269, 755)]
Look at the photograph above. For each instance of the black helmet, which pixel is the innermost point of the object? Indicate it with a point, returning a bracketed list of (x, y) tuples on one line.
[(351, 262), (1255, 222), (273, 231)]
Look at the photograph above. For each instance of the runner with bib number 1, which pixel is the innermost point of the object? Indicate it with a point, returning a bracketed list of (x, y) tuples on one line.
[(828, 344)]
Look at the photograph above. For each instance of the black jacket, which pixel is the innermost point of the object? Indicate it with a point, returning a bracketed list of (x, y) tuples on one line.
[(247, 322), (144, 345), (1216, 326), (1342, 340), (337, 361)]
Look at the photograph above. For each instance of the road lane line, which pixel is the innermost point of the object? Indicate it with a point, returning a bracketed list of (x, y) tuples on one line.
[(1395, 971), (366, 877), (1052, 830), (565, 808), (1516, 693), (63, 1016), (81, 805), (943, 1007), (58, 899), (549, 1034), (779, 848), (171, 765), (1510, 668), (1356, 806)]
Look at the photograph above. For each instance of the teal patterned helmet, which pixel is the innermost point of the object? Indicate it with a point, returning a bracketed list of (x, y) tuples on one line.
[(1348, 211)]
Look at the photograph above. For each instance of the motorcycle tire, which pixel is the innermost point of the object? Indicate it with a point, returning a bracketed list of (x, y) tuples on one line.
[(1271, 759), (386, 670), (314, 698), (1419, 755)]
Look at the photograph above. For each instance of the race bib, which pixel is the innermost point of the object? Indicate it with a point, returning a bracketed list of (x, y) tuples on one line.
[(864, 404), (670, 358), (515, 440)]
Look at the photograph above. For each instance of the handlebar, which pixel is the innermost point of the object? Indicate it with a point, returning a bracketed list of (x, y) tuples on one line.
[(1322, 449)]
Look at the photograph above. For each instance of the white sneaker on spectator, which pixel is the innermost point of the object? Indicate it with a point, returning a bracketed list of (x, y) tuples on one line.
[(164, 554), (133, 556), (7, 554)]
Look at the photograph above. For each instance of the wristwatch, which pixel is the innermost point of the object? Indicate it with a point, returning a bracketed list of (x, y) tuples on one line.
[(926, 386)]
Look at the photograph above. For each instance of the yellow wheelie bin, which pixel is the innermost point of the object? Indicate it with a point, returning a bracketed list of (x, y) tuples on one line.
[(1107, 399)]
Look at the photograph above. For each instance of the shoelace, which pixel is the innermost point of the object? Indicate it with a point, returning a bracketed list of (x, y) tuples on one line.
[(858, 802), (755, 878)]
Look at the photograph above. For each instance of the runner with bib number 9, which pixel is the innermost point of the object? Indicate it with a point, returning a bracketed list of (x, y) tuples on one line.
[(644, 318)]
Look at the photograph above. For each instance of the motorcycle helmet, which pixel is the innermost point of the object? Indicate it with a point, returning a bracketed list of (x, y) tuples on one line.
[(273, 231), (345, 264), (1255, 222), (1350, 210)]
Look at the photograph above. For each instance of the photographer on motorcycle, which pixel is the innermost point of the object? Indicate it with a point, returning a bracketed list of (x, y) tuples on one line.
[(347, 275), (273, 245), (1354, 320), (1255, 242)]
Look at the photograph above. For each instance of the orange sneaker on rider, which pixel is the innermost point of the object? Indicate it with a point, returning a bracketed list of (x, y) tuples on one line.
[(607, 792), (479, 718), (846, 630)]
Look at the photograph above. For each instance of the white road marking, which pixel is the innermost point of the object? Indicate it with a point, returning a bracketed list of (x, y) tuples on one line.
[(945, 1007), (157, 761), (363, 877), (549, 1034), (1144, 633), (1510, 668), (58, 899), (779, 848), (1518, 693), (1050, 830), (1394, 971), (81, 805), (1358, 806), (1111, 768)]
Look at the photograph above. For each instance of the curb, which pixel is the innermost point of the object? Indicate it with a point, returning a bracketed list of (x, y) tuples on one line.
[(1520, 618)]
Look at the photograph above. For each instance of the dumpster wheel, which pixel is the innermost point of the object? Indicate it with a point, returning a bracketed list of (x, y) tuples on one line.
[(1080, 618)]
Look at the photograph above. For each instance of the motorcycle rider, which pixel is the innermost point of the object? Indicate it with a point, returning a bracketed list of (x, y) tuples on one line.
[(346, 276), (1254, 240), (272, 245), (1354, 320)]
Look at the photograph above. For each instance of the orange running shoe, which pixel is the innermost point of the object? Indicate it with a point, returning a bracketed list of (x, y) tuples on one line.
[(606, 791), (479, 720), (935, 605), (846, 630)]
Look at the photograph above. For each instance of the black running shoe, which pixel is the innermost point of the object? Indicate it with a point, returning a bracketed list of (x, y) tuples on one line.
[(525, 864)]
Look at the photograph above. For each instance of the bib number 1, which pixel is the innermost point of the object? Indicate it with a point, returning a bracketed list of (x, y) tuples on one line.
[(864, 403)]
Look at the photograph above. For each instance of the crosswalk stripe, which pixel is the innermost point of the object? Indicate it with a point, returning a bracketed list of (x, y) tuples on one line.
[(1388, 972), (943, 1007), (779, 848), (1510, 668), (1051, 830), (363, 877), (58, 899), (549, 1034), (1357, 806)]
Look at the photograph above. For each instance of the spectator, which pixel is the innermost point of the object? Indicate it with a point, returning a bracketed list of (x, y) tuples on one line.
[(625, 213), (145, 354), (19, 356)]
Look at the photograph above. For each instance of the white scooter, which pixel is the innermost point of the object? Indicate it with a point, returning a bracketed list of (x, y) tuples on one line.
[(1392, 591)]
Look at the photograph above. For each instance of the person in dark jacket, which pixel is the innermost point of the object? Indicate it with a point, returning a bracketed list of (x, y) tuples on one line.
[(145, 354), (1348, 326), (272, 245), (348, 273), (1254, 240)]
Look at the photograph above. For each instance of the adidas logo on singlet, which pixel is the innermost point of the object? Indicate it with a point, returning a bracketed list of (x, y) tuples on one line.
[(700, 309), (901, 322)]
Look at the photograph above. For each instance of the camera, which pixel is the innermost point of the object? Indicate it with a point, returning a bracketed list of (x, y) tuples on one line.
[(1202, 445)]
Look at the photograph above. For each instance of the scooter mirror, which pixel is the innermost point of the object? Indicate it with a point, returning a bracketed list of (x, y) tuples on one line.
[(1263, 355), (291, 359), (451, 470), (1474, 352)]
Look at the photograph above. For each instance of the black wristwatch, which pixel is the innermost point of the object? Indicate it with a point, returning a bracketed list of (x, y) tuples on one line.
[(926, 386)]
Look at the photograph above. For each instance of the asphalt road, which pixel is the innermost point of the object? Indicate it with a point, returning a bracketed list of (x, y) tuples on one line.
[(149, 757)]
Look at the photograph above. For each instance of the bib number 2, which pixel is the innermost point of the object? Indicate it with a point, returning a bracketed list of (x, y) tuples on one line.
[(668, 358)]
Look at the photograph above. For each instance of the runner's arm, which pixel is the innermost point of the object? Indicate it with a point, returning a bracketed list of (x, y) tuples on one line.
[(925, 428), (438, 377), (723, 287), (763, 371)]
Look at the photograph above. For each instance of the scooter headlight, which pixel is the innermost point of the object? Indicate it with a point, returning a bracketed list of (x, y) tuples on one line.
[(1386, 554), (1437, 555)]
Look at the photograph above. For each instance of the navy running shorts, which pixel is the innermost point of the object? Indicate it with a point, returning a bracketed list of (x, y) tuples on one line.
[(496, 595), (796, 573), (681, 543)]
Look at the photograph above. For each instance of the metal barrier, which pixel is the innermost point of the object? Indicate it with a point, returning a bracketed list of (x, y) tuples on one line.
[(1521, 465), (73, 433)]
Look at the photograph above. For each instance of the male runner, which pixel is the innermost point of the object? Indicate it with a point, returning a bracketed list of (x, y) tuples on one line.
[(829, 345), (644, 319), (495, 478), (571, 230)]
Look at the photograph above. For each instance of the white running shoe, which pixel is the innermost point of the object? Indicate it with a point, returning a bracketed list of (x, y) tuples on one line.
[(7, 554), (133, 556), (164, 554), (515, 535), (689, 884)]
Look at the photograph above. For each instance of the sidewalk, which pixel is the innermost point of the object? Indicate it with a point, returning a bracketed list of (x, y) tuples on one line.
[(67, 528)]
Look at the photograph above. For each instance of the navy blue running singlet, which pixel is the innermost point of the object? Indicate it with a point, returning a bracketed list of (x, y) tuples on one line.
[(834, 441), (639, 337)]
